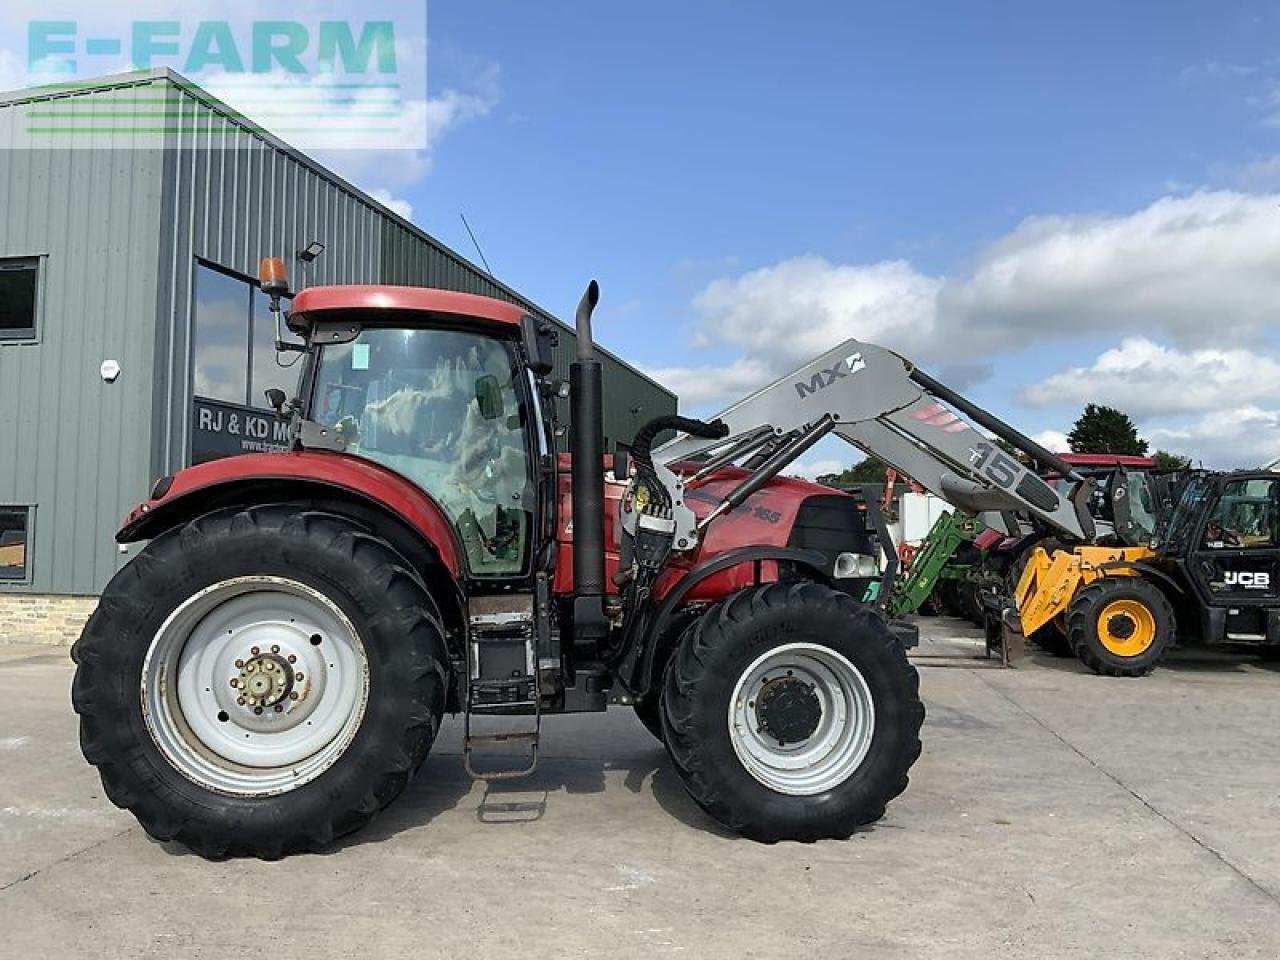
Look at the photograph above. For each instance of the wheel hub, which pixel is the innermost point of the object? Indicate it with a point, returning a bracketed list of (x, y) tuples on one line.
[(801, 718), (255, 685), (265, 680), (1121, 626), (788, 709)]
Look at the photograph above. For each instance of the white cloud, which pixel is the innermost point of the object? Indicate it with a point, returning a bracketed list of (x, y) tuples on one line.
[(1055, 441), (790, 312), (701, 386), (1145, 379), (1261, 174), (1189, 268), (396, 204), (1246, 436)]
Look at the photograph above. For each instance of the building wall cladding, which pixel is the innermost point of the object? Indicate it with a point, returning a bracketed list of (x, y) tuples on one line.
[(121, 231), (75, 447)]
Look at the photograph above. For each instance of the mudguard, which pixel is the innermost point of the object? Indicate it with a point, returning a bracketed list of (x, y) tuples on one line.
[(206, 486)]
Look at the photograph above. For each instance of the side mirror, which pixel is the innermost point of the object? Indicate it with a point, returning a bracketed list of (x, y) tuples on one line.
[(277, 399), (540, 339), (489, 397)]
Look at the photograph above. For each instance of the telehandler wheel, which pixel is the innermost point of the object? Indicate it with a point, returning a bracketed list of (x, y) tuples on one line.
[(1120, 626), (1052, 640), (260, 681), (792, 713)]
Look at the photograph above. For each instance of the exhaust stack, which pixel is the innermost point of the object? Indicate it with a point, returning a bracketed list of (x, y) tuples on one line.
[(586, 443)]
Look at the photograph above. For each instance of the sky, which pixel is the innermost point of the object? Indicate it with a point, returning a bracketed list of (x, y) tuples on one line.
[(1042, 204)]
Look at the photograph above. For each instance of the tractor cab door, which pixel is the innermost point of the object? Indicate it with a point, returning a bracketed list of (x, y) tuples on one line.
[(1134, 505), (1234, 562), (452, 411)]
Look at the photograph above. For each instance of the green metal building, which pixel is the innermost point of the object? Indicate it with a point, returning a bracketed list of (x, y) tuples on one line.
[(132, 335)]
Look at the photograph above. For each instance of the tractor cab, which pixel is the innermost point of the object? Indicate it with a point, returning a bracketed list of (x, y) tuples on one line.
[(441, 391)]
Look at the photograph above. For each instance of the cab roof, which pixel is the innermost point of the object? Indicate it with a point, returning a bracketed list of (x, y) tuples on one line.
[(324, 303), (1106, 460)]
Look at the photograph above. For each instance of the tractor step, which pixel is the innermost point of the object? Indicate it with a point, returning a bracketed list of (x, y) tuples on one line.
[(503, 680), (526, 738)]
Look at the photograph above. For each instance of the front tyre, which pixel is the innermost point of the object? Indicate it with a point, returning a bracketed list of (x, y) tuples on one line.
[(792, 713), (260, 681), (1120, 626)]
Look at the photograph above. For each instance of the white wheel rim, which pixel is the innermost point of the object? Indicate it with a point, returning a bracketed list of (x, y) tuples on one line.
[(240, 698), (838, 744)]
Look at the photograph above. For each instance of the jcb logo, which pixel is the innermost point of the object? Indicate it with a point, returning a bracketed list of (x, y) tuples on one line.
[(1247, 580), (825, 378)]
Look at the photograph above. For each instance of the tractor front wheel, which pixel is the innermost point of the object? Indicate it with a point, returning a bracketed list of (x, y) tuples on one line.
[(792, 713), (1120, 626), (260, 681)]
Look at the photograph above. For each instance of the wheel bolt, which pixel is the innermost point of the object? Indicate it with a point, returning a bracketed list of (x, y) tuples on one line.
[(293, 695), (292, 658), (297, 676), (279, 708), (240, 700), (254, 651), (275, 648), (235, 682), (239, 664), (257, 710)]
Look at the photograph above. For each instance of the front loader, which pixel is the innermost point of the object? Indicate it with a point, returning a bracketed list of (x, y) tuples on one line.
[(273, 667)]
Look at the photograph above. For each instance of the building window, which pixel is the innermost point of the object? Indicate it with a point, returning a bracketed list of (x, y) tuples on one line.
[(15, 528), (19, 286), (235, 364), (235, 352)]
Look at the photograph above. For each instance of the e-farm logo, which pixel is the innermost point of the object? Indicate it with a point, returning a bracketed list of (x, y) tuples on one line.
[(328, 82), (275, 45)]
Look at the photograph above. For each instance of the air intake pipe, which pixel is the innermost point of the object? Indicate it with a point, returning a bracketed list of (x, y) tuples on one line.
[(586, 444)]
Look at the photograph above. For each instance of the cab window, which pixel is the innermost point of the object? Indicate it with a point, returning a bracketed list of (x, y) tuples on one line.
[(1245, 516), (442, 408)]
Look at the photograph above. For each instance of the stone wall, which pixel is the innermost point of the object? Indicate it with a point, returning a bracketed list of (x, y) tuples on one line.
[(43, 618)]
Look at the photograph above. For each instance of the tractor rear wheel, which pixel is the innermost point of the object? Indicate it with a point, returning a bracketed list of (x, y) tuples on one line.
[(792, 713), (1120, 626), (260, 681)]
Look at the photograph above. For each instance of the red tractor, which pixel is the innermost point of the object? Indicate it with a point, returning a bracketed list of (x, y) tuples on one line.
[(272, 668)]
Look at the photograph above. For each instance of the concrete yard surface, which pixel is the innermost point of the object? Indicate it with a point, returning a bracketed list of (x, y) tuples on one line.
[(1052, 814)]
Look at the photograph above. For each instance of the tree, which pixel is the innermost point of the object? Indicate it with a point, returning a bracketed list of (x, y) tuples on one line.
[(1103, 429), (1170, 461), (1013, 451), (869, 470)]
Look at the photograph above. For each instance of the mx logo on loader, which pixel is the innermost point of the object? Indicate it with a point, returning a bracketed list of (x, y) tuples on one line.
[(826, 377)]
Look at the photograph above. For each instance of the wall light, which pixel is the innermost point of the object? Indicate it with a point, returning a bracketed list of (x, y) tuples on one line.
[(311, 251)]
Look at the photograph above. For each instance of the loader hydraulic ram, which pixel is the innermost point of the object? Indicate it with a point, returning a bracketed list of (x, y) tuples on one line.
[(273, 667)]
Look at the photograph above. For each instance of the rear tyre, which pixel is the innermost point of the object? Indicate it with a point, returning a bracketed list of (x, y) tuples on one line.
[(1052, 640), (1120, 626), (792, 713), (261, 681)]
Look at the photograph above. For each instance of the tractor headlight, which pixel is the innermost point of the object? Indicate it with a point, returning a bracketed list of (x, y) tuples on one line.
[(854, 565)]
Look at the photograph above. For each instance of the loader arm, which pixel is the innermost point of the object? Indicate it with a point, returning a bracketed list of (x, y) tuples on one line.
[(882, 404)]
